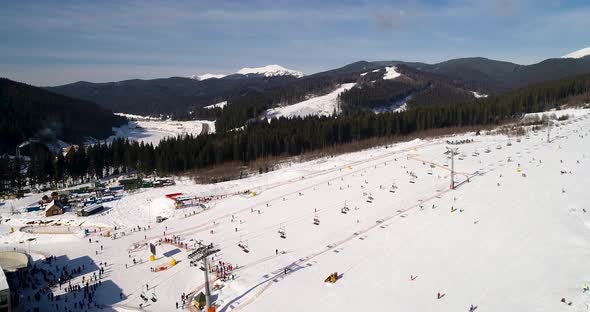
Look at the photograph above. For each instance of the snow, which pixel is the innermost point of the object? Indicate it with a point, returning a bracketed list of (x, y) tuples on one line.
[(578, 54), (270, 71), (514, 243), (153, 131), (219, 105), (137, 117), (391, 73), (571, 112), (267, 71), (402, 108), (397, 106), (373, 71), (207, 76), (478, 95), (324, 105)]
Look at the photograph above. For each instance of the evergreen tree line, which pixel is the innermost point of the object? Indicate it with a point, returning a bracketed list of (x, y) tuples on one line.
[(28, 112), (380, 93), (286, 136)]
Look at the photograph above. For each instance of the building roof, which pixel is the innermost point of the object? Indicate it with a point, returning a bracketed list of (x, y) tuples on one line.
[(54, 203), (12, 261)]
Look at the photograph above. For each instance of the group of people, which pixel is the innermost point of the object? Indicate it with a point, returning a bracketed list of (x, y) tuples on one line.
[(64, 287)]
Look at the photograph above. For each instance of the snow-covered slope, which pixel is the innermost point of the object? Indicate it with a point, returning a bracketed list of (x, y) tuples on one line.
[(153, 131), (218, 105), (270, 71), (479, 95), (513, 236), (207, 76), (391, 73), (324, 105), (578, 54)]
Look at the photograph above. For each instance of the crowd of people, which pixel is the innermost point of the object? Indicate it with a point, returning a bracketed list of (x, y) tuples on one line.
[(52, 286)]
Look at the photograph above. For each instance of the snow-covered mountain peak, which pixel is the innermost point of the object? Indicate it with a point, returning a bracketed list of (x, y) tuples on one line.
[(578, 54), (270, 71), (207, 76)]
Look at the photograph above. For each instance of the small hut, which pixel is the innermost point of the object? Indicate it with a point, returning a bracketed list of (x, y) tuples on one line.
[(54, 208), (200, 300)]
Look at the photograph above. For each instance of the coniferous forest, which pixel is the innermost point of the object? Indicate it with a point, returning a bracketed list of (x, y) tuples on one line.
[(282, 137)]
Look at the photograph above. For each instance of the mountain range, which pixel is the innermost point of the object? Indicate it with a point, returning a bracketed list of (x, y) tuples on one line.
[(69, 112), (178, 95)]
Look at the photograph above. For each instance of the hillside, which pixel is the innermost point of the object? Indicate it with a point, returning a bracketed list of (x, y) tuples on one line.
[(511, 236), (166, 96), (256, 90), (28, 112), (494, 77)]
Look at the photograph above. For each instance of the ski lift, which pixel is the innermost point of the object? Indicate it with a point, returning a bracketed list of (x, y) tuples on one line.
[(344, 209), (370, 199), (154, 298), (244, 246), (392, 188), (316, 220), (143, 297), (509, 143), (282, 233), (412, 181), (499, 147)]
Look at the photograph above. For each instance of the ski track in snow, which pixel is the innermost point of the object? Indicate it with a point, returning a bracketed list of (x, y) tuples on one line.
[(500, 241)]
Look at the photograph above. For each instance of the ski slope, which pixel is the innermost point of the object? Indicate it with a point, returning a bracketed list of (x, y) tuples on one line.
[(513, 236), (324, 105), (391, 73)]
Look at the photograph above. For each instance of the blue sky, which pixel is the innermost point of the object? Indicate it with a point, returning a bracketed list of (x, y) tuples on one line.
[(57, 42)]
